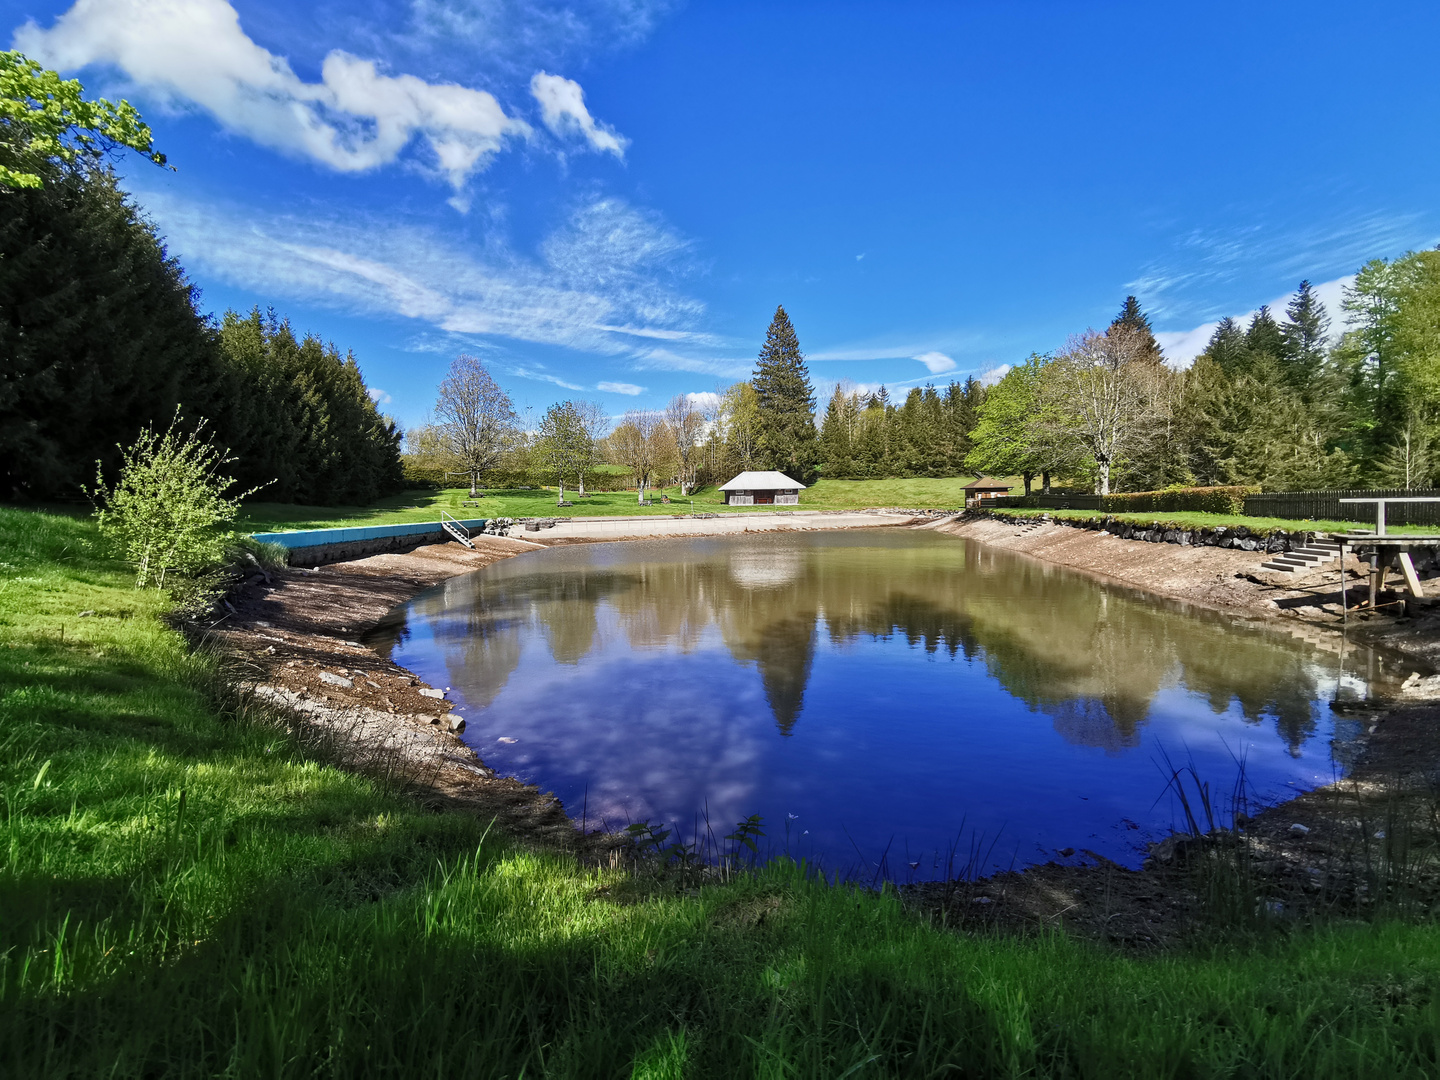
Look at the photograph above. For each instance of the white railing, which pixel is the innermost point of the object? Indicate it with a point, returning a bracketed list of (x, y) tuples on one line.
[(452, 526)]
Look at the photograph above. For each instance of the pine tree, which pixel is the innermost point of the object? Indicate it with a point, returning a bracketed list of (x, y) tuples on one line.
[(835, 451), (1227, 347), (1265, 336), (1306, 336), (1131, 316), (789, 442)]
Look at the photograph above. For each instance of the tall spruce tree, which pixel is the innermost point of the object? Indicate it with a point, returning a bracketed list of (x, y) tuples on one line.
[(789, 442), (1227, 347), (1264, 335), (1132, 317), (835, 452), (1307, 338)]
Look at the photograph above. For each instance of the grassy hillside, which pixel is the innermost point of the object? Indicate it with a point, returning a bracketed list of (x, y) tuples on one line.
[(540, 502), (186, 889)]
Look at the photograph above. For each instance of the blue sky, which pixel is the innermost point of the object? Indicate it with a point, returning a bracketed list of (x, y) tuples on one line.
[(608, 199)]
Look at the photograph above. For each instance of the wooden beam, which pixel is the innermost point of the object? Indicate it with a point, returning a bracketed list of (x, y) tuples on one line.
[(1412, 579)]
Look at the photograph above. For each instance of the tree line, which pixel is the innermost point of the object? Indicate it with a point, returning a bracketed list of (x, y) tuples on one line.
[(1278, 402), (102, 336)]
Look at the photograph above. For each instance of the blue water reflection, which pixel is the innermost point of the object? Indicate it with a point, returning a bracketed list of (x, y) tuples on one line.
[(866, 692)]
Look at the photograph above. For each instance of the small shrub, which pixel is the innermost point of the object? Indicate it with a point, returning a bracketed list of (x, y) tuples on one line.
[(168, 511)]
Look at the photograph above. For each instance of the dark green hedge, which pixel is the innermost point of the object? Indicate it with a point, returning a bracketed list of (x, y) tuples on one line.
[(1205, 500)]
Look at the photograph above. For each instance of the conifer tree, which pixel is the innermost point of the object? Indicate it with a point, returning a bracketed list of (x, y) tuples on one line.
[(1227, 347), (1131, 316), (788, 439), (1264, 335), (1306, 336), (835, 451)]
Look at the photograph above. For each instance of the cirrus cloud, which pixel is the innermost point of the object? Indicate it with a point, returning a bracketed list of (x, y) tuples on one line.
[(629, 389)]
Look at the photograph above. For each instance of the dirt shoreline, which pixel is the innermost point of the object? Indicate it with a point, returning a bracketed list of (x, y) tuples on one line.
[(298, 635)]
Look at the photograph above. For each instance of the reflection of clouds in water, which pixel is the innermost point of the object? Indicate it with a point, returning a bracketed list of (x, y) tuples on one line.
[(765, 569), (646, 752)]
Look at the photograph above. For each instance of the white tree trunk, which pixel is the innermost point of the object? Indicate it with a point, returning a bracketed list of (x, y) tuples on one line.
[(1102, 487)]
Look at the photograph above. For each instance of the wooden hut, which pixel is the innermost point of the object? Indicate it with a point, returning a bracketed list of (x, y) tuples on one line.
[(980, 491), (762, 489)]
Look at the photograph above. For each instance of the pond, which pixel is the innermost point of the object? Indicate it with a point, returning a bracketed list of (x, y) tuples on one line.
[(889, 701)]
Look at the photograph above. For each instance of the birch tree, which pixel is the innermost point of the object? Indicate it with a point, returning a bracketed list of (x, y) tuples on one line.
[(1107, 393)]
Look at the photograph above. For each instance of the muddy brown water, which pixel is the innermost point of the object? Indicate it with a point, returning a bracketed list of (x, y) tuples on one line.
[(890, 702)]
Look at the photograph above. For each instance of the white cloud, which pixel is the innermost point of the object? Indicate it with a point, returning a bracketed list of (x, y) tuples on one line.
[(562, 107), (575, 296), (704, 399), (355, 119), (993, 375), (937, 363), (378, 396), (1182, 346), (620, 388)]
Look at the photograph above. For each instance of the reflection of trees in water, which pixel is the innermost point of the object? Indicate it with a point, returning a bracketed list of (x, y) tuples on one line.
[(1090, 657)]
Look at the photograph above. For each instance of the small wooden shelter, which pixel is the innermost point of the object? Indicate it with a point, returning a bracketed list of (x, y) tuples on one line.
[(984, 489), (762, 489)]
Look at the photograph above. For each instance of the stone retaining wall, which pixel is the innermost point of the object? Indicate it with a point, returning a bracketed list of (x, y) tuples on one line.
[(1158, 532)]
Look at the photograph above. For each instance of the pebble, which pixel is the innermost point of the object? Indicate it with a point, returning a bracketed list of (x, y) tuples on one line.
[(335, 680), (427, 692), (1300, 830)]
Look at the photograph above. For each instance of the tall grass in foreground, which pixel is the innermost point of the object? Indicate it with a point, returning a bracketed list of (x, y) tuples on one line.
[(189, 891)]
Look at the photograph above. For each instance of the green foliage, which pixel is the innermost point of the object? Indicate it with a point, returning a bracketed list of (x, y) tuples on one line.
[(1205, 500), (99, 336), (168, 510), (297, 415), (563, 445), (785, 404), (45, 121)]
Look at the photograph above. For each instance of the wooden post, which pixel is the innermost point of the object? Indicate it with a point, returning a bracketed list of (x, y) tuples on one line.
[(1412, 579), (1375, 575), (1344, 600)]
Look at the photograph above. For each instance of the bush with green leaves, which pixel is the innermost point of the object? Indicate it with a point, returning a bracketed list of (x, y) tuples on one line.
[(168, 511)]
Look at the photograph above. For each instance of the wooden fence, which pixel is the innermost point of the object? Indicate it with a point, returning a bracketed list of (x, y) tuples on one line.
[(1326, 506)]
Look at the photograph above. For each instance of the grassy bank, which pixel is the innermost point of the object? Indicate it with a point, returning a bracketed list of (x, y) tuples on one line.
[(187, 889), (1196, 520), (540, 502)]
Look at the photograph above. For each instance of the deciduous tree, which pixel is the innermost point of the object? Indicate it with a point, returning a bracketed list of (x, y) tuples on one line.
[(685, 425), (476, 420)]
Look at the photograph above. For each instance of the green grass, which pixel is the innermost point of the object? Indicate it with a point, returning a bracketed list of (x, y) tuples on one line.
[(426, 505), (297, 920), (1198, 520)]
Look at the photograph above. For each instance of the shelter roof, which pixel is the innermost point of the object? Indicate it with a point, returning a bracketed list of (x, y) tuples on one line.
[(986, 483), (761, 481)]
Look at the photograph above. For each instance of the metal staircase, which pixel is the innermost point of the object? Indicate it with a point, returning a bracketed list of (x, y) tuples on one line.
[(1316, 553), (456, 530)]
